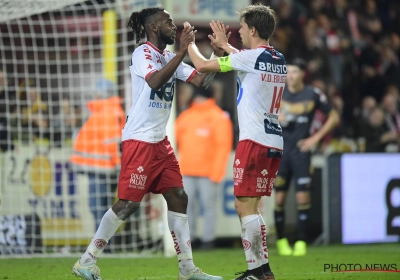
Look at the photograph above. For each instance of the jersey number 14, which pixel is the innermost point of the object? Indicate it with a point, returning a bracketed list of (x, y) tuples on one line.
[(276, 100)]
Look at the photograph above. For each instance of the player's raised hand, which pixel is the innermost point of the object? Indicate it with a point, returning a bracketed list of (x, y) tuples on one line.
[(188, 36), (187, 24), (218, 51), (220, 36)]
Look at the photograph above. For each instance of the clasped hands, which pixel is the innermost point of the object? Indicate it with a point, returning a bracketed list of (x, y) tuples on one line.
[(218, 38)]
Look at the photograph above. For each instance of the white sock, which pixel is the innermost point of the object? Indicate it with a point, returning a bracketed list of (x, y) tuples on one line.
[(179, 227), (264, 252), (251, 240), (107, 228)]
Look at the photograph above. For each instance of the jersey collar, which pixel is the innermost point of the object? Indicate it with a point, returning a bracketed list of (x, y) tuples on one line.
[(266, 47), (154, 47)]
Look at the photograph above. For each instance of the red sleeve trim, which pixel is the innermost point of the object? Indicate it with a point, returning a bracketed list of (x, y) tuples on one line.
[(191, 76), (148, 74)]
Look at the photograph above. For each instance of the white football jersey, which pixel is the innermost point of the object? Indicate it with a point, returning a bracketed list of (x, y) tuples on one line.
[(148, 116), (261, 81)]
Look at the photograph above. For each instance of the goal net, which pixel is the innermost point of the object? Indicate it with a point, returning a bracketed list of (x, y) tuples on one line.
[(56, 56)]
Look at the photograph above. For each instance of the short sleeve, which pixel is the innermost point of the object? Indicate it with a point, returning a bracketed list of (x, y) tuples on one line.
[(185, 72), (321, 101), (243, 60), (144, 62)]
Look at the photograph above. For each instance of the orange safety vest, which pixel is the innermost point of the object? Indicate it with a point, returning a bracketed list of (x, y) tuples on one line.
[(205, 137), (96, 147)]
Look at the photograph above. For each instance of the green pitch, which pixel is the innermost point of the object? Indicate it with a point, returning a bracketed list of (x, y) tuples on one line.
[(223, 262)]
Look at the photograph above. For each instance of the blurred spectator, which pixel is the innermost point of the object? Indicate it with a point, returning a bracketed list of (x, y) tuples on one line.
[(316, 7), (319, 117), (389, 66), (371, 81), (390, 105), (337, 138), (184, 95), (204, 136), (376, 134), (65, 123), (7, 99), (335, 98), (291, 18), (392, 115), (369, 21), (32, 113), (361, 116), (394, 42), (313, 51), (217, 88), (393, 89), (339, 15), (97, 148), (332, 41)]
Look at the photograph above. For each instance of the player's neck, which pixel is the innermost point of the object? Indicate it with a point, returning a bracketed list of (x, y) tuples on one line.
[(157, 43), (255, 43)]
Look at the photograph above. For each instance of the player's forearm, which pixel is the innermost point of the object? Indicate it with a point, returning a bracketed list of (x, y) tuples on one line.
[(210, 76), (331, 122), (160, 78), (199, 61)]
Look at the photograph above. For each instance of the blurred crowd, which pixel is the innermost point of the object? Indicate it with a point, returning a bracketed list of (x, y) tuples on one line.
[(26, 116)]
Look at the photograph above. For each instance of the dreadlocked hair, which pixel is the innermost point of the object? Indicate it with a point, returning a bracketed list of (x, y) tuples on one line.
[(138, 19)]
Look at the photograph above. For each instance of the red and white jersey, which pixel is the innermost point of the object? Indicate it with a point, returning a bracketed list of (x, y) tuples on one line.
[(147, 118), (261, 80)]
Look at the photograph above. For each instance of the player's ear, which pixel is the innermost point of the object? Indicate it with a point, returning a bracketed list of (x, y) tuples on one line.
[(154, 26), (253, 31)]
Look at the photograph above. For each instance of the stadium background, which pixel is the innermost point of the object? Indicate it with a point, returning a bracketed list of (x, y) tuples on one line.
[(53, 57)]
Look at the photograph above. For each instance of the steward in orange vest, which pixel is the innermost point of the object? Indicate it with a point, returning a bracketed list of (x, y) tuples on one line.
[(96, 147), (204, 135)]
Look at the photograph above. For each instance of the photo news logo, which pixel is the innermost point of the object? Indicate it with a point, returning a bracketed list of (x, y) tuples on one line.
[(357, 267)]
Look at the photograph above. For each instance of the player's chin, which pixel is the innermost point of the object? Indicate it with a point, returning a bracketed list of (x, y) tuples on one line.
[(171, 41)]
